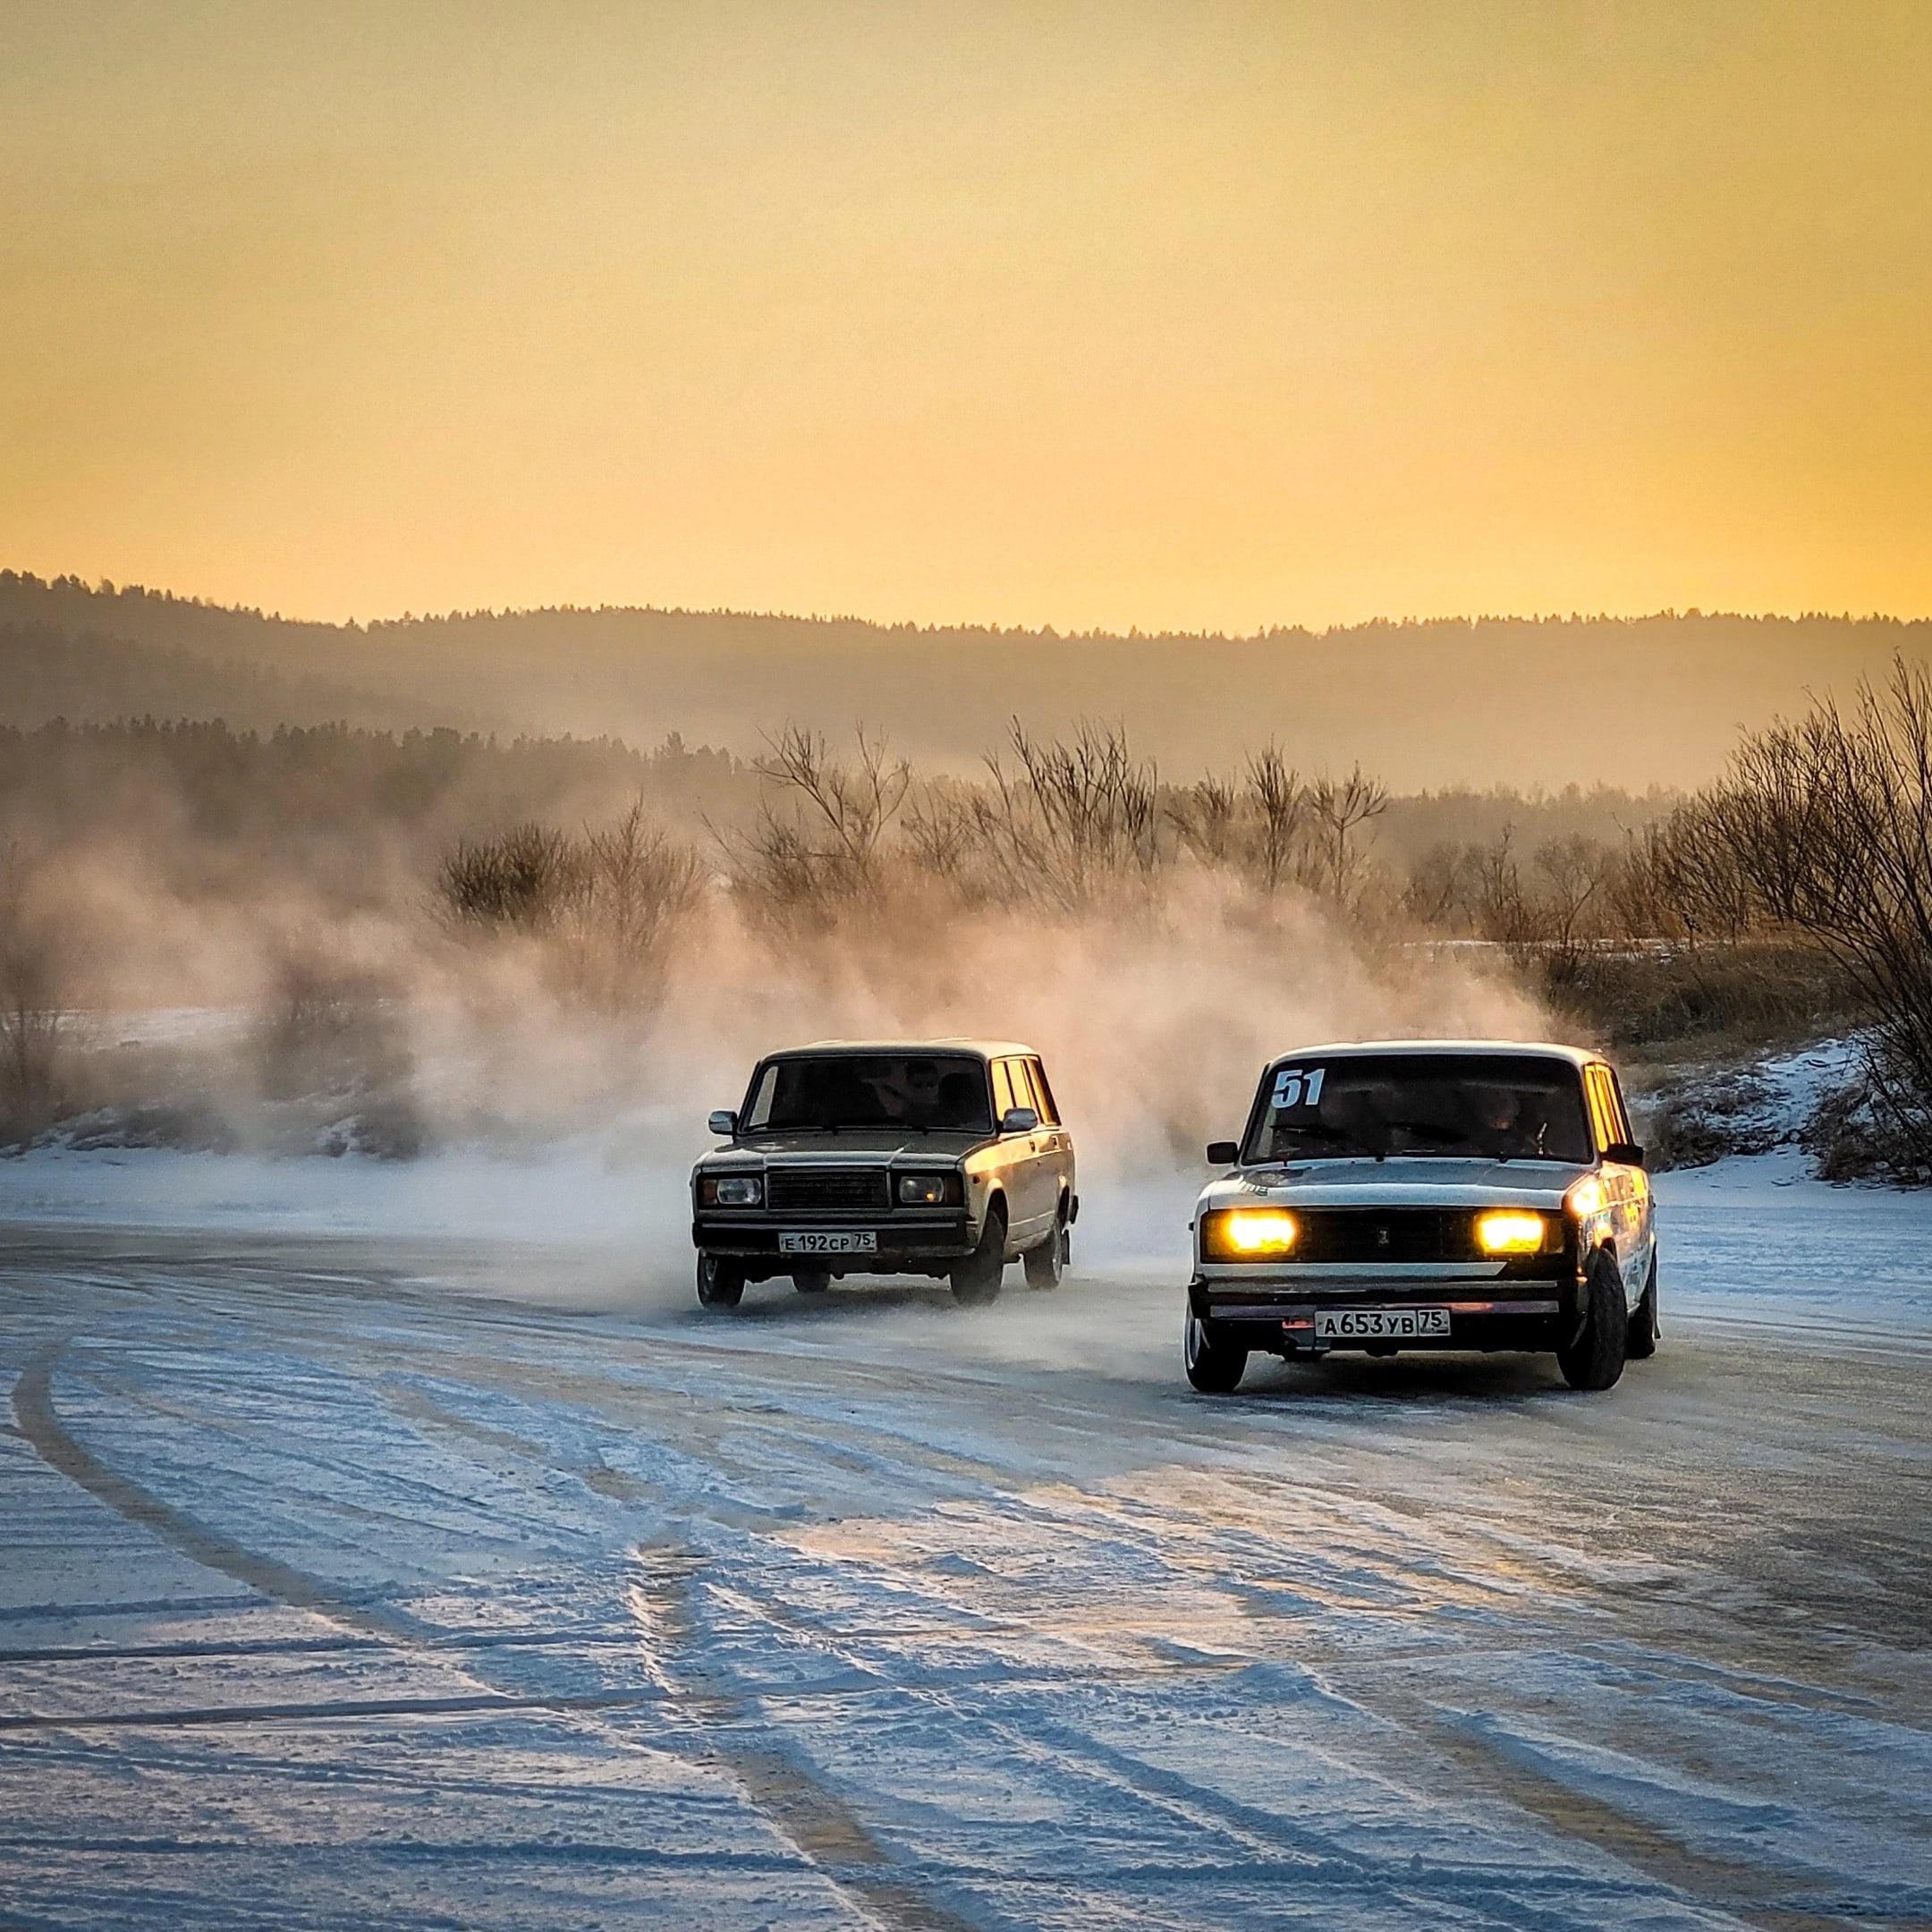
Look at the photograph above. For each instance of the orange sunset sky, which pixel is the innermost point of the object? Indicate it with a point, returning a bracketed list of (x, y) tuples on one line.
[(1197, 315)]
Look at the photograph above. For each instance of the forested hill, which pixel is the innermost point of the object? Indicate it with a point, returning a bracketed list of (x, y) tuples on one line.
[(1636, 702), (47, 671)]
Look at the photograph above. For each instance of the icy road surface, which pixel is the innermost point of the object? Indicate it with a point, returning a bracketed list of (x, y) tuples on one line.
[(354, 1582)]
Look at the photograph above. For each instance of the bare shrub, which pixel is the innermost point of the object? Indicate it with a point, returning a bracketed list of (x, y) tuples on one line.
[(1340, 809), (1573, 873), (329, 1025), (1731, 997), (632, 889), (1071, 820), (515, 881), (1827, 825), (1638, 907), (819, 838), (1697, 1121), (602, 911), (1498, 903), (1203, 814), (1256, 826), (939, 838), (1282, 808), (1700, 876), (1437, 892), (34, 1018), (1853, 1135)]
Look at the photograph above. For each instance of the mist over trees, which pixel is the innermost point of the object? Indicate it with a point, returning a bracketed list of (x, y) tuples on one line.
[(168, 769), (1539, 701)]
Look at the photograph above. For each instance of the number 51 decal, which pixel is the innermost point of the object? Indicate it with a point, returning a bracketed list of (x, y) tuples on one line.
[(1294, 1088)]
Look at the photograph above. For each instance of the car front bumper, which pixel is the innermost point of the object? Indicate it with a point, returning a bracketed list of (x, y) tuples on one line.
[(1515, 1309), (908, 1242)]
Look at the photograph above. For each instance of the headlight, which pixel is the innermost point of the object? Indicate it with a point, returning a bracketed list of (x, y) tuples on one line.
[(735, 1190), (1586, 1199), (927, 1189), (1248, 1233), (1512, 1231)]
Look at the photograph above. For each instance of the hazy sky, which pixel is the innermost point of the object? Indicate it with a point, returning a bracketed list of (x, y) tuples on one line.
[(1195, 314)]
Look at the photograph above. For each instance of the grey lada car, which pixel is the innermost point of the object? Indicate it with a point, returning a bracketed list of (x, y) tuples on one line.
[(1437, 1194), (946, 1158)]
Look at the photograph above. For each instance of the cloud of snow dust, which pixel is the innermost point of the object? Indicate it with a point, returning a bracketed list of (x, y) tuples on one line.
[(528, 1118)]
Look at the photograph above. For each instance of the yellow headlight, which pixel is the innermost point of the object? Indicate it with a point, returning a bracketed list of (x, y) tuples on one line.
[(1509, 1231), (1250, 1234), (1586, 1199)]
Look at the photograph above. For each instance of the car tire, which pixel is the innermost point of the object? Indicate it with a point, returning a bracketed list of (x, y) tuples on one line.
[(1046, 1264), (721, 1283), (975, 1281), (1643, 1328), (812, 1280), (1213, 1367), (1594, 1359)]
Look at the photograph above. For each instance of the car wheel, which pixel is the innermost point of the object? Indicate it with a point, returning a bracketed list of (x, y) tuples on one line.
[(1213, 1367), (1643, 1325), (1594, 1359), (975, 1281), (812, 1280), (720, 1282), (1046, 1264)]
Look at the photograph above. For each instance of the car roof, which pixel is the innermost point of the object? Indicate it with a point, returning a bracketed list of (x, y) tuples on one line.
[(1527, 1049), (981, 1049)]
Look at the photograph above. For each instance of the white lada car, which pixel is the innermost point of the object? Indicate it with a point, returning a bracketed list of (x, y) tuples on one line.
[(1439, 1194)]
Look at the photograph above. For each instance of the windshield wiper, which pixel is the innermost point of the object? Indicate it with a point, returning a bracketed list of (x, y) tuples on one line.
[(1321, 1130)]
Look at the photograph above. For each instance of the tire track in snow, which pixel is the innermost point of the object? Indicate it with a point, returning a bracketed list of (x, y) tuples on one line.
[(39, 1423), (332, 1710), (731, 1734), (1257, 1844), (1752, 1894), (615, 1486)]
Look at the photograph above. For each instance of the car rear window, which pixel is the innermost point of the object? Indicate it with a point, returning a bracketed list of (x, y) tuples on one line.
[(930, 1092), (1455, 1106)]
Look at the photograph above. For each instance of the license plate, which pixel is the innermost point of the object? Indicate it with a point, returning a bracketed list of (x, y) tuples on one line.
[(829, 1241), (1380, 1324)]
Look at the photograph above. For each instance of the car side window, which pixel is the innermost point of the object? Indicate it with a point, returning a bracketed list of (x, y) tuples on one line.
[(1043, 1099), (1004, 1102), (760, 1112), (1619, 1112), (1603, 1114)]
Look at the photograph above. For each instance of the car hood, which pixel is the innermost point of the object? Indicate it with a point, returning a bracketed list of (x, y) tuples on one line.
[(840, 1148), (1399, 1182)]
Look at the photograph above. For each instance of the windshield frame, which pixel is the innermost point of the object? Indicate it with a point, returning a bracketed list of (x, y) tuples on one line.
[(1345, 1148), (982, 1073)]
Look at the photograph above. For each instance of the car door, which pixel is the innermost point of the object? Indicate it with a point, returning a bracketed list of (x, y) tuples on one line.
[(1056, 1145), (1643, 1245), (1026, 1177), (1626, 1186)]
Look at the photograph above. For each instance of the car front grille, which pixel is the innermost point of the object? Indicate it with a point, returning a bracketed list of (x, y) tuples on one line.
[(826, 1190), (1386, 1235)]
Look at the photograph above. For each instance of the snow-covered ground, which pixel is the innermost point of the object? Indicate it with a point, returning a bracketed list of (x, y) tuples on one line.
[(398, 1546)]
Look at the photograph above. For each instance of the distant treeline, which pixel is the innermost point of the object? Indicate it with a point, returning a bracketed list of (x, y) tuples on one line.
[(320, 804), (1520, 702), (187, 792), (47, 673)]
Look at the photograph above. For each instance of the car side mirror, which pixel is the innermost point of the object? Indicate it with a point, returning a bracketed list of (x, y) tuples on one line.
[(1625, 1153), (723, 1123), (1019, 1120), (1224, 1154)]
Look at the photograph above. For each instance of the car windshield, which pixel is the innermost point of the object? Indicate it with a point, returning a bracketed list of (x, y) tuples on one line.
[(921, 1092), (1495, 1106)]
